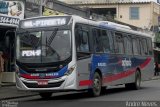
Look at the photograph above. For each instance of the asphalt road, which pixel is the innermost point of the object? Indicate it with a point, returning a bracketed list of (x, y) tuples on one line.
[(115, 96)]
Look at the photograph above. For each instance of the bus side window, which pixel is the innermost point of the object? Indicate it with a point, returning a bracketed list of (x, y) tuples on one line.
[(150, 50), (143, 46), (136, 46), (104, 40), (82, 40), (119, 43), (84, 44), (128, 45), (98, 44), (111, 43)]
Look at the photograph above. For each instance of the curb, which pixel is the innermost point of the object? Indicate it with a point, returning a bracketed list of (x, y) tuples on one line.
[(156, 78), (18, 97), (15, 96), (8, 85)]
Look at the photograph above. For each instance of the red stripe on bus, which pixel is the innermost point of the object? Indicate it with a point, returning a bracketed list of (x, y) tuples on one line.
[(85, 83), (125, 73), (142, 66), (118, 76)]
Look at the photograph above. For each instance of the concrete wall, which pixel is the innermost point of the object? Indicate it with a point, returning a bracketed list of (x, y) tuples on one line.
[(155, 13)]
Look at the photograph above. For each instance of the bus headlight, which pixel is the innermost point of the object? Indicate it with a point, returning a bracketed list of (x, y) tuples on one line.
[(70, 70)]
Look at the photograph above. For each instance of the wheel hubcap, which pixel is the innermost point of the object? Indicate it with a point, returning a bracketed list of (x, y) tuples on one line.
[(138, 81), (96, 84)]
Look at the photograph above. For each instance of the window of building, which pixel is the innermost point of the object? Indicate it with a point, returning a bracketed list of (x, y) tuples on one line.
[(134, 13)]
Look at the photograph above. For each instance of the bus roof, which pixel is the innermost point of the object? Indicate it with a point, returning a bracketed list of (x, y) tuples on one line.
[(109, 25), (103, 24)]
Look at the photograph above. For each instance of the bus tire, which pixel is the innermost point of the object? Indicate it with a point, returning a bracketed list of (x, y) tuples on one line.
[(137, 84), (96, 86), (45, 95), (103, 90)]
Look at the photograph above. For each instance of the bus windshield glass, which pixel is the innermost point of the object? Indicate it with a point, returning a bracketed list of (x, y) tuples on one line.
[(43, 46)]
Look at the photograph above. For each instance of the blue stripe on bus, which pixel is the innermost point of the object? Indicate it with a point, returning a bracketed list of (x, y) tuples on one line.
[(40, 75)]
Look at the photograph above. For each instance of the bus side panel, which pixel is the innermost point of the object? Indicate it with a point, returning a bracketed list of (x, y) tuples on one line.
[(147, 72), (122, 69), (83, 69), (119, 70), (105, 64)]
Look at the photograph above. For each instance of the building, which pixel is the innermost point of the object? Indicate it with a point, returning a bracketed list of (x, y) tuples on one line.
[(35, 8), (140, 14), (93, 1)]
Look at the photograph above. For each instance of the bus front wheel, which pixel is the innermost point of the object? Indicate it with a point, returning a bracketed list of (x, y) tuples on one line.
[(45, 95), (96, 86)]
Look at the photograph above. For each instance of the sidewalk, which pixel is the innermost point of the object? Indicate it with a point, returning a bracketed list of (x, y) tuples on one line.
[(9, 91), (156, 77)]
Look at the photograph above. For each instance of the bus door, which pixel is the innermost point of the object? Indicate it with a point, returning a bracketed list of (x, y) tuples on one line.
[(9, 52), (83, 54)]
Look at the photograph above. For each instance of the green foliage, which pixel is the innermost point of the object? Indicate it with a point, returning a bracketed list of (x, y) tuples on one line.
[(157, 37)]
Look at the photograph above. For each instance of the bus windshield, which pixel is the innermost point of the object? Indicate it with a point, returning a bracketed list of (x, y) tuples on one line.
[(43, 46)]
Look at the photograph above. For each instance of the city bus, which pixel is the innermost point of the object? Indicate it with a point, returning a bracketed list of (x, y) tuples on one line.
[(71, 53)]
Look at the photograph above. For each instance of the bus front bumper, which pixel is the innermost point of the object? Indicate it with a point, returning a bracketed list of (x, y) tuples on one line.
[(57, 84)]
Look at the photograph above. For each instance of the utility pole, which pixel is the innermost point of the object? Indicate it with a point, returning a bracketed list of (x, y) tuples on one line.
[(41, 7)]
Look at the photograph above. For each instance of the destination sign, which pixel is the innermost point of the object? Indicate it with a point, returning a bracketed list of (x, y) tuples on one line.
[(44, 22)]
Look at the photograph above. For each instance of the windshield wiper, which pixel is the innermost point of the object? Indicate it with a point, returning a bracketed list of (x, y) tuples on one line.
[(52, 37)]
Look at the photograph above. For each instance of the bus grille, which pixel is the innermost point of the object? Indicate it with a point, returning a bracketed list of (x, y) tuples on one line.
[(50, 85)]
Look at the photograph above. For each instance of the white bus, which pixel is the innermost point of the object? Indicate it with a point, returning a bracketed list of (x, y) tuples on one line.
[(66, 53)]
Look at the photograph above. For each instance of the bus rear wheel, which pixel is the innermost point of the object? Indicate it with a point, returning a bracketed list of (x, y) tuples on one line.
[(45, 95), (137, 84), (96, 86)]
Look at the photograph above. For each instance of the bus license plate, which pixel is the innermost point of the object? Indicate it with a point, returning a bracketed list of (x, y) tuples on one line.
[(42, 82)]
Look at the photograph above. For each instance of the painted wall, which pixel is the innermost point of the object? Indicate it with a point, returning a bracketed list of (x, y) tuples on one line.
[(148, 14), (144, 20)]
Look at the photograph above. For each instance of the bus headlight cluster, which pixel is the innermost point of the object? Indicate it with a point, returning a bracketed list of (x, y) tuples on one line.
[(70, 70)]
